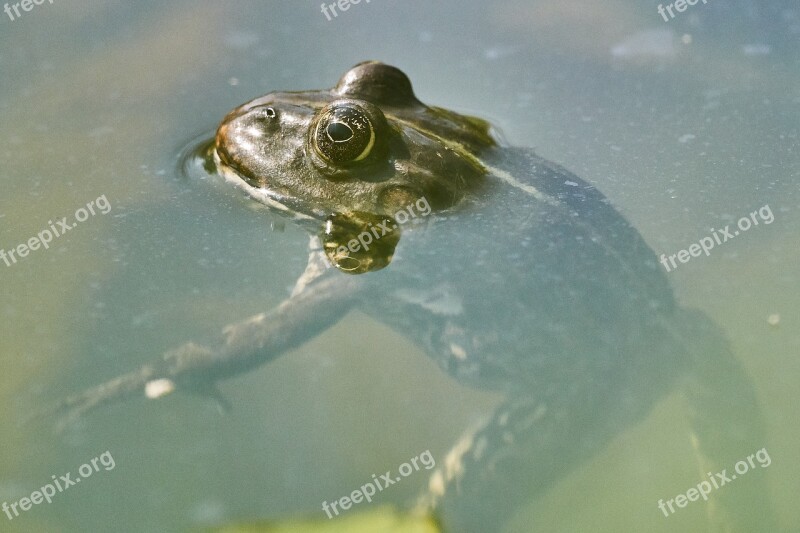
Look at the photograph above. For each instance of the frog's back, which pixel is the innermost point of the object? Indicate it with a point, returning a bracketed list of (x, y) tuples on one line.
[(534, 279)]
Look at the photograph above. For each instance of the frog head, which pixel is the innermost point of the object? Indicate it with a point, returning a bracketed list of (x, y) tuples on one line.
[(368, 146)]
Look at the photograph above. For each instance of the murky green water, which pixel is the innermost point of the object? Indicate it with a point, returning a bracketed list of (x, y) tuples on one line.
[(680, 124)]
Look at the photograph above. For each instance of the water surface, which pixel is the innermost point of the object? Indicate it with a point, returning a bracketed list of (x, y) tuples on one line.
[(685, 125)]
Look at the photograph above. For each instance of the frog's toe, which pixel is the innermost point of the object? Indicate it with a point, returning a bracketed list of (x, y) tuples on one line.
[(71, 409), (210, 391)]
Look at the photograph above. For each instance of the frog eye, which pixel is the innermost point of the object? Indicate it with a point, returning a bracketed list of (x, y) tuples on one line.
[(344, 134)]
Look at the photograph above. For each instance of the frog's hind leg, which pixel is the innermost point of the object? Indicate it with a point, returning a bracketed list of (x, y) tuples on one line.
[(727, 432), (530, 443)]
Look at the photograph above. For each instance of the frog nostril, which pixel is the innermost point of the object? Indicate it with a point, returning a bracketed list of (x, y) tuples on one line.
[(268, 113)]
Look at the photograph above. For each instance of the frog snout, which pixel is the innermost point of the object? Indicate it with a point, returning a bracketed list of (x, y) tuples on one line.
[(223, 145), (235, 140)]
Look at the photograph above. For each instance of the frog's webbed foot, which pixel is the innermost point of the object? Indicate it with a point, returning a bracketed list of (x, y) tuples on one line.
[(208, 390), (321, 301)]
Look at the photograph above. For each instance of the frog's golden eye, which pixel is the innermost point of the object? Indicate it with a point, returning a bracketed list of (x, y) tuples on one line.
[(344, 134)]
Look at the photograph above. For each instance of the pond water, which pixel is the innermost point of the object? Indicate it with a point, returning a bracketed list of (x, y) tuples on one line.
[(685, 125)]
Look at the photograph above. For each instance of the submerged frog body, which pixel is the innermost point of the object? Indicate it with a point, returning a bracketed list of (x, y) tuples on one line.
[(521, 278)]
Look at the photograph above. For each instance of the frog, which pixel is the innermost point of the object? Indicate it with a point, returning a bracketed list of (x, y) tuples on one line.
[(520, 278)]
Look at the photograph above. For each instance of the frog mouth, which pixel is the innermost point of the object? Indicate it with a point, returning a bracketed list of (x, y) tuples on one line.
[(258, 190), (223, 160)]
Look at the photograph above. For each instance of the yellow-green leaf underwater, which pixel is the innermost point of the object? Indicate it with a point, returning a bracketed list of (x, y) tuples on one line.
[(385, 519)]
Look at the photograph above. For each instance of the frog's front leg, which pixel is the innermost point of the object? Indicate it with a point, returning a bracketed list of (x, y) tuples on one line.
[(319, 300)]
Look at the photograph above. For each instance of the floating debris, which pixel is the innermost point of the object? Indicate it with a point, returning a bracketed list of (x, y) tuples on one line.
[(158, 388), (756, 49), (654, 43)]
